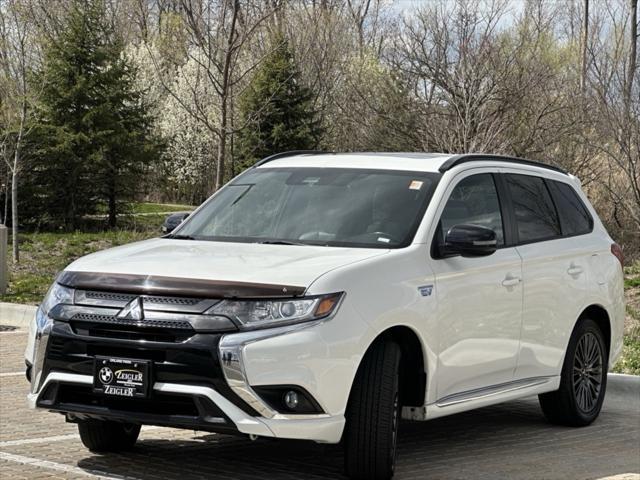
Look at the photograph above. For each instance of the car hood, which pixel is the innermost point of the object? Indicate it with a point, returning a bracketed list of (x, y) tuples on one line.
[(222, 261)]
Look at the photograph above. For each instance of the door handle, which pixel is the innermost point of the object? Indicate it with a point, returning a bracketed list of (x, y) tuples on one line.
[(574, 270), (511, 281)]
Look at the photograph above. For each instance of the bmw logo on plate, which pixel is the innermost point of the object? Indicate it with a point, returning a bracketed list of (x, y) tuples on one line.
[(105, 375), (425, 290)]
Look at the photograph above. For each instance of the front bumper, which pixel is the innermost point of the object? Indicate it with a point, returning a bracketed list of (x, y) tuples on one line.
[(230, 418), (192, 388)]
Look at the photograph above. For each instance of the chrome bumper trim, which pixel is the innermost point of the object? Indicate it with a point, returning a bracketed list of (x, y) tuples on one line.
[(231, 352)]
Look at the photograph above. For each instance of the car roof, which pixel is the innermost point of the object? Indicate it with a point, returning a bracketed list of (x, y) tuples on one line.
[(422, 162), (410, 161)]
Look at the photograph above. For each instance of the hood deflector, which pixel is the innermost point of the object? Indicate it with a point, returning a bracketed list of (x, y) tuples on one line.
[(186, 287)]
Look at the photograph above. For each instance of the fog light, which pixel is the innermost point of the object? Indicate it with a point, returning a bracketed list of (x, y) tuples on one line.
[(291, 400)]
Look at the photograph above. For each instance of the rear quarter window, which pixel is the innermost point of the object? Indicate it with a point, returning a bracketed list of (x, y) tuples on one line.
[(574, 216)]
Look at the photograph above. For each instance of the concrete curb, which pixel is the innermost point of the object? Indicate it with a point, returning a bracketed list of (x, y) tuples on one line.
[(623, 384), (16, 315)]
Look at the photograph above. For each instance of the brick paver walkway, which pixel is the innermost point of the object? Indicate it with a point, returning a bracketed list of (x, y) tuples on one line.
[(509, 441)]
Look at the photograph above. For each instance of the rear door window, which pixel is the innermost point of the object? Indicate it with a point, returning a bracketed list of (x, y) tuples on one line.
[(535, 214), (574, 216)]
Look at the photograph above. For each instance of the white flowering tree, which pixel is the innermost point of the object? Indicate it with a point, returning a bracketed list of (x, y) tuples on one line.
[(187, 169)]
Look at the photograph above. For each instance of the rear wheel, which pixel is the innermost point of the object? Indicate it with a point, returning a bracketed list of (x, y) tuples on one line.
[(373, 415), (107, 436), (583, 381)]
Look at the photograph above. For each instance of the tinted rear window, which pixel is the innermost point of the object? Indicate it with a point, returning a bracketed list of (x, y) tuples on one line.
[(536, 216), (574, 216)]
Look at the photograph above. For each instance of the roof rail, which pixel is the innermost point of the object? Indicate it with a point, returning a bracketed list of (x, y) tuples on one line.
[(472, 157), (291, 153)]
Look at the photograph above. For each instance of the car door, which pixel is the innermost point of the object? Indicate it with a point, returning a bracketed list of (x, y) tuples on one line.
[(480, 298), (555, 259)]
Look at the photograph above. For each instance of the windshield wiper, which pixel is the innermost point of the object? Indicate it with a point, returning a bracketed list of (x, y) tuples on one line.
[(180, 237), (281, 242)]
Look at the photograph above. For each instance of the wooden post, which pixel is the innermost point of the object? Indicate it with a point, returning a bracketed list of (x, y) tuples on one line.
[(4, 275)]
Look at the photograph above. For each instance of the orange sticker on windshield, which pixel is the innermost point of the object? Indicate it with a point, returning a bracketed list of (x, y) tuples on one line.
[(415, 185)]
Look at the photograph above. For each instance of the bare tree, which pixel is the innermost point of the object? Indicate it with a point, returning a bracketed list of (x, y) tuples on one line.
[(584, 46), (633, 53), (15, 57), (469, 81), (615, 117)]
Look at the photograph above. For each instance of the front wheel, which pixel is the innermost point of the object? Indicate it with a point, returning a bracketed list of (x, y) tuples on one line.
[(108, 436), (583, 381), (373, 415)]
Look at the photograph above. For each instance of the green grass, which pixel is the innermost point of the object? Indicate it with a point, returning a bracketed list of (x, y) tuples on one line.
[(632, 282), (43, 255), (629, 361)]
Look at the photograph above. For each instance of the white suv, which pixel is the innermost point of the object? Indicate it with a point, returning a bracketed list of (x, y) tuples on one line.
[(325, 296)]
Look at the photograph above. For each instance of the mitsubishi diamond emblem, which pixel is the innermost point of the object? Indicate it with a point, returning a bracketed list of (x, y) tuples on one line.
[(133, 310)]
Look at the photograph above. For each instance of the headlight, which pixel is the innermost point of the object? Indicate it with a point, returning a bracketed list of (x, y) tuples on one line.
[(57, 294), (251, 314)]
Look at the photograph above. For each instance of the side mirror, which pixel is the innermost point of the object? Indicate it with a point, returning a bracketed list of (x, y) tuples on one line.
[(173, 220), (470, 241)]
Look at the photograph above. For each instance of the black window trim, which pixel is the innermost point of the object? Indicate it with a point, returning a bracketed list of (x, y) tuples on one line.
[(507, 225), (584, 207), (507, 210)]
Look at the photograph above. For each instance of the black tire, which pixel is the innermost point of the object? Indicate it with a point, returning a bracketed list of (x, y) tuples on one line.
[(106, 436), (583, 382), (373, 414)]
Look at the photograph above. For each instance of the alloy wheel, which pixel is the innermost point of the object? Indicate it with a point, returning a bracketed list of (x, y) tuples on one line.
[(587, 372)]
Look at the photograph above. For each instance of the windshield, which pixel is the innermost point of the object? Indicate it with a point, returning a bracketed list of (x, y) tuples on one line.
[(316, 206)]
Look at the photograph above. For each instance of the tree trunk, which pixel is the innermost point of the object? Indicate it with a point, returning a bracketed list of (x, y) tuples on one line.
[(14, 207), (224, 95), (633, 52), (14, 183), (222, 146), (5, 216), (112, 207), (585, 39)]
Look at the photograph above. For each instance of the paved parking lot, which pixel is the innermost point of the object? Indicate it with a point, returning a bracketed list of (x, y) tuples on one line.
[(509, 441)]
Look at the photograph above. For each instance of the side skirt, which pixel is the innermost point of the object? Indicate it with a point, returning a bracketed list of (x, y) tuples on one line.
[(482, 397)]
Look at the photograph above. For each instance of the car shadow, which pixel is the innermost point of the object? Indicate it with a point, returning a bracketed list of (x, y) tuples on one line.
[(492, 442)]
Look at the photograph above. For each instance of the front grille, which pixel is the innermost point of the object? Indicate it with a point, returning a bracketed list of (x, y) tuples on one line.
[(144, 323), (118, 297), (157, 303), (56, 347), (73, 347), (127, 297), (97, 350), (172, 300), (122, 334), (149, 317)]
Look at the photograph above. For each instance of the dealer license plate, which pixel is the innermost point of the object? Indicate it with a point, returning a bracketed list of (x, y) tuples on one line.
[(121, 377)]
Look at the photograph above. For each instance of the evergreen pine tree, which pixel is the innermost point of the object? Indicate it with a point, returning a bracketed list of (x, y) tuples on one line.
[(276, 109), (91, 141)]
